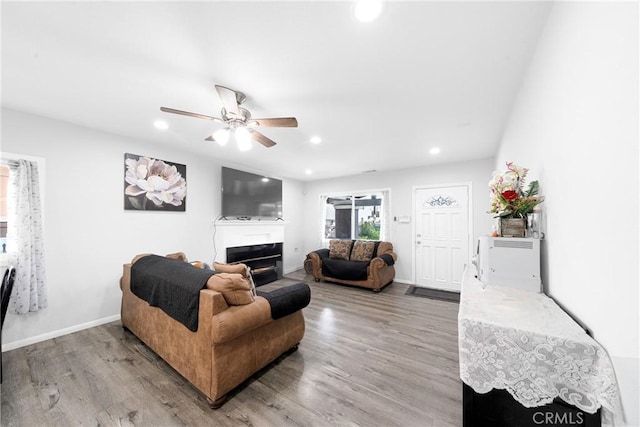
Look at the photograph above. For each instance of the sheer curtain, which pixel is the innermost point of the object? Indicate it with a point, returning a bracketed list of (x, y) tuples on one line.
[(323, 219), (385, 216), (24, 238)]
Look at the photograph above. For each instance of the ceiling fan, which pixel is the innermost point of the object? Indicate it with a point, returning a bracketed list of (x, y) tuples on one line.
[(237, 120)]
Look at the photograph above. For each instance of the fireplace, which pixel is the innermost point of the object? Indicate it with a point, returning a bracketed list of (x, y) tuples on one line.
[(264, 260)]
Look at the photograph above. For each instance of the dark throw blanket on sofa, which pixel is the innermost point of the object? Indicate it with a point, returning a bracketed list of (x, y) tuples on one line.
[(287, 300), (172, 285), (344, 269)]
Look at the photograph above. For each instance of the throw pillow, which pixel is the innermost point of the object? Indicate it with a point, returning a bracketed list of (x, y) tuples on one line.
[(362, 250), (229, 268), (178, 255), (235, 289), (242, 269), (340, 249)]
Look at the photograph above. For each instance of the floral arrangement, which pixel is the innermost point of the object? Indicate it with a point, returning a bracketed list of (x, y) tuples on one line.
[(154, 180), (508, 198)]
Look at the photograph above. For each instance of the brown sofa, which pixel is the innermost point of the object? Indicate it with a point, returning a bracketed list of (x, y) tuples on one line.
[(354, 262), (231, 342)]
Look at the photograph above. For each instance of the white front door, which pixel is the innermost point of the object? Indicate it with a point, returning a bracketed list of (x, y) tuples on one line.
[(442, 236)]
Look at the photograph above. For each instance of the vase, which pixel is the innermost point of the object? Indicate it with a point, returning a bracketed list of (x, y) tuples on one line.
[(513, 227)]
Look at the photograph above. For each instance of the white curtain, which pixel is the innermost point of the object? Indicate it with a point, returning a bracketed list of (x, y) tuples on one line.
[(24, 238), (323, 218), (385, 217)]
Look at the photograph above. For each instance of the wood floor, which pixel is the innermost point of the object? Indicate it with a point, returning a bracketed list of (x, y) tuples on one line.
[(367, 359)]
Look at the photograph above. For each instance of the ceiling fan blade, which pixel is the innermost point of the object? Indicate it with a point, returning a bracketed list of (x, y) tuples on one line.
[(189, 114), (229, 99), (280, 122), (261, 138)]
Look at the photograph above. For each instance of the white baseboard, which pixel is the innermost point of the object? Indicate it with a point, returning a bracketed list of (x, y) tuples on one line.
[(59, 333), (289, 271)]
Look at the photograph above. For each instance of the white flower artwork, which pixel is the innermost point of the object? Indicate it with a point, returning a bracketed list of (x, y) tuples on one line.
[(153, 184)]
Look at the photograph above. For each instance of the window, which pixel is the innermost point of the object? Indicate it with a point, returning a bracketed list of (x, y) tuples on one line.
[(355, 216)]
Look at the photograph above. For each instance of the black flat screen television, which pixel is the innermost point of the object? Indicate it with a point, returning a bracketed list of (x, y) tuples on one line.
[(250, 196)]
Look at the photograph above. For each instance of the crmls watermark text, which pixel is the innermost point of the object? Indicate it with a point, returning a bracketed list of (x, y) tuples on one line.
[(555, 418)]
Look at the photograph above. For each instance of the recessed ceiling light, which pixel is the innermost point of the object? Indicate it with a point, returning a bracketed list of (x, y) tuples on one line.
[(434, 151), (315, 140), (367, 10), (161, 124), (308, 172)]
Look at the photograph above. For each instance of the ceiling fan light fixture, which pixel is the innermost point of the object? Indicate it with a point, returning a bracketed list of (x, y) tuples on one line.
[(238, 121), (243, 137), (367, 10), (161, 124), (221, 136)]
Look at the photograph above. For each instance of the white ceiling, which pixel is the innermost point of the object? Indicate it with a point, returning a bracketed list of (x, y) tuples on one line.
[(379, 94)]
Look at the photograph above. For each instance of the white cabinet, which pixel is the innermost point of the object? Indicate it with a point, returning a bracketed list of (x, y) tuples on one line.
[(505, 261)]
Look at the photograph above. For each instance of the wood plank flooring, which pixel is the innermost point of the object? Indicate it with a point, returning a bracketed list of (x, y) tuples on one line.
[(367, 359)]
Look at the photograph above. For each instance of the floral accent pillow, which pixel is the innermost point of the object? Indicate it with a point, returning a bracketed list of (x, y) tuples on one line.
[(362, 250), (339, 249)]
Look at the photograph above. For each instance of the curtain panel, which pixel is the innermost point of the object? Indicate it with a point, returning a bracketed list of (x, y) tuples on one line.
[(385, 217), (323, 217), (25, 238)]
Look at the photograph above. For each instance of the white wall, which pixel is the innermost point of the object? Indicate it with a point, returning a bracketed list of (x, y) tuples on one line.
[(89, 235), (296, 228), (401, 184), (575, 124)]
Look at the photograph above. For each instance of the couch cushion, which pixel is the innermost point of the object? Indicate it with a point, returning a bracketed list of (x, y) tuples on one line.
[(344, 269), (362, 250), (235, 289), (340, 249)]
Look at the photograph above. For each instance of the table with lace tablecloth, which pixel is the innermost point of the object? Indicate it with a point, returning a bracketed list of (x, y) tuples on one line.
[(523, 342)]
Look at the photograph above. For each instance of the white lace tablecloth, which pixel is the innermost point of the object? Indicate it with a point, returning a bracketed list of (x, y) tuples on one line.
[(525, 343)]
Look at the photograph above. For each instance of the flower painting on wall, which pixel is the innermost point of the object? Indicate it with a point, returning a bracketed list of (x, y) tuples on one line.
[(153, 184)]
